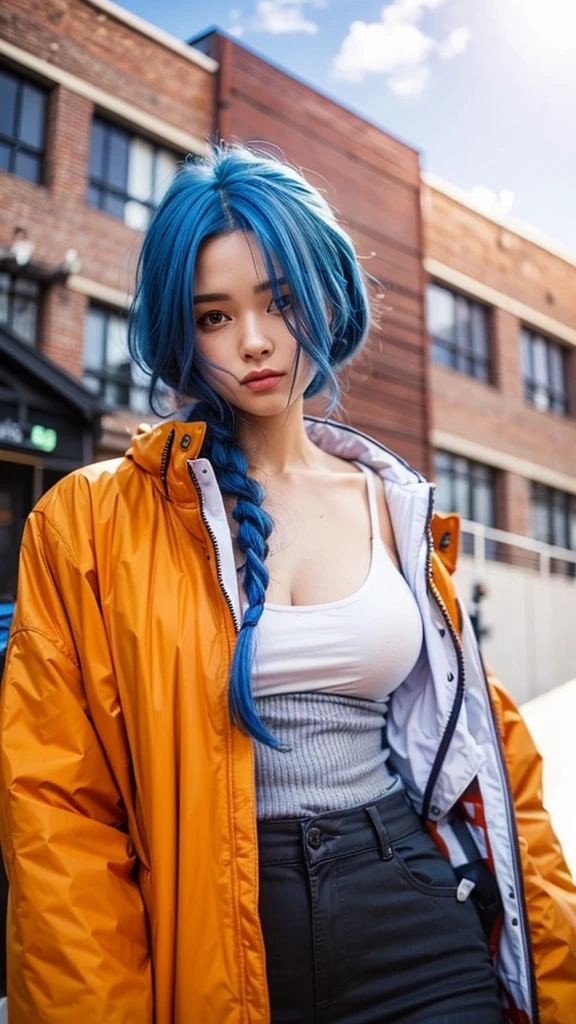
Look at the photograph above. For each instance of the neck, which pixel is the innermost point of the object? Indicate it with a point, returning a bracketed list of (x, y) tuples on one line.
[(276, 444)]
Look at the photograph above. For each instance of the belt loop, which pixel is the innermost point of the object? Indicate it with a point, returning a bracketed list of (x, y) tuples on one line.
[(386, 851)]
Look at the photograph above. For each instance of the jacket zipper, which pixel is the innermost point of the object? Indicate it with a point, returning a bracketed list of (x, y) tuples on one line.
[(165, 460), (459, 695), (216, 549), (443, 748), (516, 860)]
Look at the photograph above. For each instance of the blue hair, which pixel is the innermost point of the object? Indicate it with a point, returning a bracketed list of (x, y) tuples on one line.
[(237, 189)]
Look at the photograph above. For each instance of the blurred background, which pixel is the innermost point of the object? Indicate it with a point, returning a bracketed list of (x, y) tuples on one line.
[(442, 132)]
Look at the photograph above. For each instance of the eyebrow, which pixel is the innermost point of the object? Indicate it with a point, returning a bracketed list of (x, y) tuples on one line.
[(263, 286)]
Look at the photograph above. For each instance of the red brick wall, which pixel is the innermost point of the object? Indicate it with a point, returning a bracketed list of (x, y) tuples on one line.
[(79, 38), (373, 181)]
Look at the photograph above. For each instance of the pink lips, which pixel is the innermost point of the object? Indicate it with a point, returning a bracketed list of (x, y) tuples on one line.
[(262, 382)]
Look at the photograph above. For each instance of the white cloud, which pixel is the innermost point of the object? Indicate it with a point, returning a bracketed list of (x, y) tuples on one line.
[(455, 43), (279, 17), (236, 27), (397, 47), (409, 84)]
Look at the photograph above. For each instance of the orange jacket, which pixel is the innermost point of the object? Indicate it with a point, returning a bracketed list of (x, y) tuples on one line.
[(127, 815)]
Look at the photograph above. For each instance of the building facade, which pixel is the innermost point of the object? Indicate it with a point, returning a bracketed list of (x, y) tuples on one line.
[(502, 327)]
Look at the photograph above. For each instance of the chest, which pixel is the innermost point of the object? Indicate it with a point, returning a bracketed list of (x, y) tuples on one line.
[(320, 549)]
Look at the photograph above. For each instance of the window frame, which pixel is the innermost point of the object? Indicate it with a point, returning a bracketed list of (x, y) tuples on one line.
[(15, 144), (461, 353), (105, 188), (105, 374), (13, 294), (550, 498), (531, 386), (474, 476)]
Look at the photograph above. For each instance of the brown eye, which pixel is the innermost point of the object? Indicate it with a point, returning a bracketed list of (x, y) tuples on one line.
[(212, 319), (284, 302)]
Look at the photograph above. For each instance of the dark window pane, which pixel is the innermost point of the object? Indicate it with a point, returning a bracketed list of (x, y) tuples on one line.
[(443, 497), (94, 196), (442, 462), (4, 297), (24, 312), (8, 92), (540, 362), (32, 117), (97, 150), (114, 205), (463, 333), (556, 357), (92, 383), (23, 286), (117, 169), (27, 166), (441, 313), (442, 355), (4, 157), (479, 331), (94, 338), (572, 526)]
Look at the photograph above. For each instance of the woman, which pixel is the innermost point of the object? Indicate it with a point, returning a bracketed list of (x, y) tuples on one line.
[(251, 583)]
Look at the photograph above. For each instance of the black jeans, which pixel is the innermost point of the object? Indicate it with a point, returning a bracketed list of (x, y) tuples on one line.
[(362, 925)]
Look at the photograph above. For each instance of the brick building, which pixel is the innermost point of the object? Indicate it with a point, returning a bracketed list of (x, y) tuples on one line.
[(502, 326), (96, 108)]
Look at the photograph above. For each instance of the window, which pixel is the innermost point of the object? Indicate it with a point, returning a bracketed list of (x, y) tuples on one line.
[(22, 126), (459, 331), (108, 369), (468, 488), (544, 373), (553, 516), (19, 306), (128, 174)]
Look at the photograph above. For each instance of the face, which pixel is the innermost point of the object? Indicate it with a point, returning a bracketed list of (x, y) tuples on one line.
[(240, 330)]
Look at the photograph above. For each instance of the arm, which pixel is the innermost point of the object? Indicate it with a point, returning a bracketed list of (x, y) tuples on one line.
[(77, 939)]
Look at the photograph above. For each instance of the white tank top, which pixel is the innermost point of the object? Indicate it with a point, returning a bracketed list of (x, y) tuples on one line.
[(363, 645)]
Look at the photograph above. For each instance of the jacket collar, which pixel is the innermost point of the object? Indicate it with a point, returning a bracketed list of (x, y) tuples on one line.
[(163, 451)]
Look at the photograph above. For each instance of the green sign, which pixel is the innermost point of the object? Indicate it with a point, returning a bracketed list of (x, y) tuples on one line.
[(43, 438)]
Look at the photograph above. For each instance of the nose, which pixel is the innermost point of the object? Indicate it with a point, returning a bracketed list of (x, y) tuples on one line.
[(254, 344)]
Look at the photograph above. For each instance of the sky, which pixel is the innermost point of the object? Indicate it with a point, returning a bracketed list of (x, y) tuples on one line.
[(484, 89)]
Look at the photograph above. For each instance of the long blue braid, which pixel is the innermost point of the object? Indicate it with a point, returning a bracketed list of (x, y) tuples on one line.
[(254, 528)]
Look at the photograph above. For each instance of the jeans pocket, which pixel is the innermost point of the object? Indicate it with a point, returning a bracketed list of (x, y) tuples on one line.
[(423, 865)]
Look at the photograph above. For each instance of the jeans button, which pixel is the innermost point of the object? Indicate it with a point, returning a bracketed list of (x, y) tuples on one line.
[(315, 838)]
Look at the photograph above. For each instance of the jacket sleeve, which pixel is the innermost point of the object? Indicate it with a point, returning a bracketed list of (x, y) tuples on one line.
[(549, 890), (77, 938)]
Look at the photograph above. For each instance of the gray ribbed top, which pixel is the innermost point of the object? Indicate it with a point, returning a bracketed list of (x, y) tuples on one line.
[(336, 757)]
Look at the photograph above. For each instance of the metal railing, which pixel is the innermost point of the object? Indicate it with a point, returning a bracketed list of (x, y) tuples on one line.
[(492, 545)]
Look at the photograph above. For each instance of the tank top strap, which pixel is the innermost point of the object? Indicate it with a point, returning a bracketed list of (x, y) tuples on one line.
[(372, 503)]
